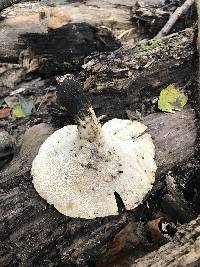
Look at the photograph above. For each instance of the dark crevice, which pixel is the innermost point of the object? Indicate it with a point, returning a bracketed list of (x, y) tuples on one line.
[(120, 203)]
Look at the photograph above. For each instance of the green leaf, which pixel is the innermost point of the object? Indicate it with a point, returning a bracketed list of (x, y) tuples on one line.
[(172, 98), (26, 106), (17, 111), (22, 107)]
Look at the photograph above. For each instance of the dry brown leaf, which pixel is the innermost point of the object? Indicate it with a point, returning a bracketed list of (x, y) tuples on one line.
[(5, 113)]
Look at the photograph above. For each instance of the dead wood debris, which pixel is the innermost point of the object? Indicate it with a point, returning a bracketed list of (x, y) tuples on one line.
[(174, 17), (6, 3), (144, 236), (153, 19)]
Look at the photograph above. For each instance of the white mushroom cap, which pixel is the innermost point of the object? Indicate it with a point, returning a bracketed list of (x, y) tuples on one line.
[(79, 177)]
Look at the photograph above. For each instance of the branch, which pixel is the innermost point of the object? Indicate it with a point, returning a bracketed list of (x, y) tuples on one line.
[(174, 17)]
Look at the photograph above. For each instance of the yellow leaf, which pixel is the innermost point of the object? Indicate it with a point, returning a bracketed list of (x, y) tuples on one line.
[(172, 98), (17, 111)]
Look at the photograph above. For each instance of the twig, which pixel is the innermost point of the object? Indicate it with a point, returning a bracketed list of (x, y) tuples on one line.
[(174, 17), (127, 32)]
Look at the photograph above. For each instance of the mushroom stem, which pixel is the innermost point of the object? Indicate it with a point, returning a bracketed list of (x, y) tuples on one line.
[(89, 127), (70, 95)]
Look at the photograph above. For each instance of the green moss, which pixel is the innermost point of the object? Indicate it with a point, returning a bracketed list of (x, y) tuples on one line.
[(150, 45)]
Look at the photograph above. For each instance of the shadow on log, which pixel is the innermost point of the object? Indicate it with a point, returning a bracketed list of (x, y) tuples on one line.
[(64, 49)]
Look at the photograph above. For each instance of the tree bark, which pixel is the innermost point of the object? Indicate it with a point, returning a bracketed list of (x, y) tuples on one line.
[(198, 45), (43, 29), (6, 3), (184, 250), (129, 77), (55, 39)]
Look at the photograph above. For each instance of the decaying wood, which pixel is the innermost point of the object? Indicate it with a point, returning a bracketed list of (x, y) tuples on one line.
[(89, 27), (56, 38), (6, 3), (127, 77), (33, 233), (111, 14), (184, 250), (174, 17), (63, 48), (39, 18), (174, 137), (121, 78), (198, 11)]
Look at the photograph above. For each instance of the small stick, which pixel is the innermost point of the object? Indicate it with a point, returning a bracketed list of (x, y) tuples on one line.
[(174, 17)]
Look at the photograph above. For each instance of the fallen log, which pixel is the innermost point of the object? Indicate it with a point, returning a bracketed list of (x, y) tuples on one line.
[(51, 37), (123, 79), (55, 36), (130, 77), (184, 250), (112, 14), (33, 233), (6, 3)]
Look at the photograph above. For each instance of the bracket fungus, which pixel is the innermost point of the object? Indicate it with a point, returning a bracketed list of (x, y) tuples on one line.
[(79, 168)]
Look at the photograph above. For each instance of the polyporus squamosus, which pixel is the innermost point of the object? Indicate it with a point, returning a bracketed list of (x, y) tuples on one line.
[(79, 168)]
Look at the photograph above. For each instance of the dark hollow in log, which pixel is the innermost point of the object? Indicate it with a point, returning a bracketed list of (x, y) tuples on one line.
[(57, 38), (65, 48), (183, 250)]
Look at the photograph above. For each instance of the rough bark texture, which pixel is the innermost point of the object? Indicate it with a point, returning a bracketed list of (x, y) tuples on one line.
[(174, 136), (184, 250), (43, 30), (33, 233), (6, 3), (123, 77), (55, 41), (36, 17), (26, 39)]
